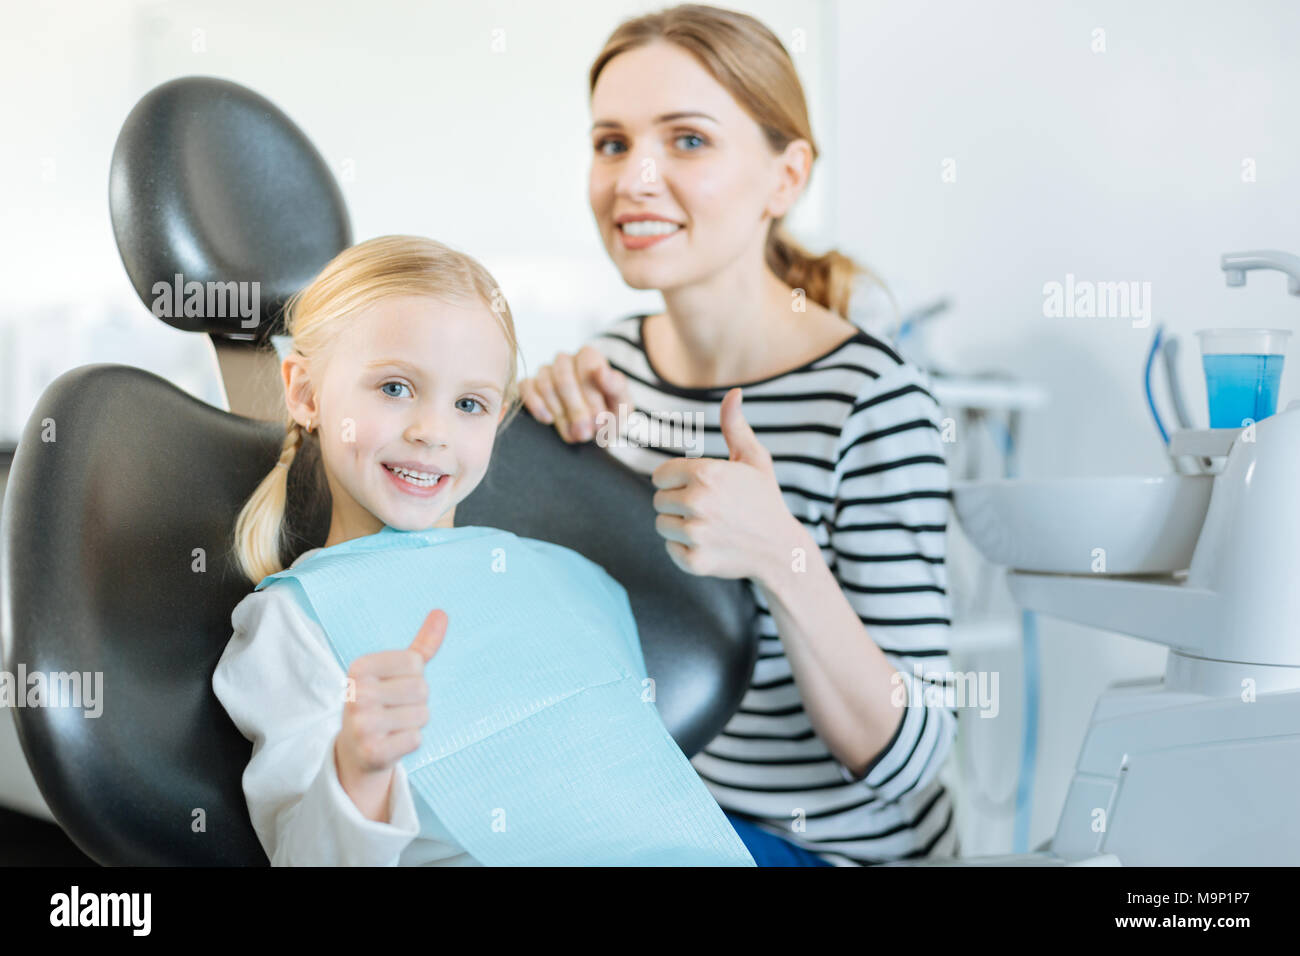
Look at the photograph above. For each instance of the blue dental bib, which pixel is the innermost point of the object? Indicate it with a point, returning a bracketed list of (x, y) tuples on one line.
[(543, 746)]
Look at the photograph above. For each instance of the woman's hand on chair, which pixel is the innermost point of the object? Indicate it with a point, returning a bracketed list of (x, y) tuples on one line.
[(573, 391), (386, 707)]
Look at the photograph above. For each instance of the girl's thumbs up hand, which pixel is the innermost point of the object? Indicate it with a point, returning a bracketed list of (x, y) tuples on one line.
[(429, 638), (386, 706)]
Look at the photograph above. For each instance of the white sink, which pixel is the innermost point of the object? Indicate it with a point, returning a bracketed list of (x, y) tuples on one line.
[(1108, 525)]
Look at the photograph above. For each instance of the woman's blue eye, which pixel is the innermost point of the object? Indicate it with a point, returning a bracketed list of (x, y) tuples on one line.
[(398, 384), (600, 146)]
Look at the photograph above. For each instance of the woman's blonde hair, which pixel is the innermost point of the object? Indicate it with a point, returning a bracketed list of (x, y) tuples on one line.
[(316, 316), (749, 62)]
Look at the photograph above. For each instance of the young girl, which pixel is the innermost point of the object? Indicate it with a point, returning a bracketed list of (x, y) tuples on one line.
[(403, 370)]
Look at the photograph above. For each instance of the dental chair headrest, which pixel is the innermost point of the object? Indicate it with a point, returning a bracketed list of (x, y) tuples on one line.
[(211, 181)]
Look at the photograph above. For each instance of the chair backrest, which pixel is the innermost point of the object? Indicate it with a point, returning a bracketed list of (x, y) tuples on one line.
[(119, 514), (113, 561)]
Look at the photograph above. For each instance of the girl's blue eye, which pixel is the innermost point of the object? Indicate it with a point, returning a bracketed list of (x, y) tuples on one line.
[(476, 402), (691, 136)]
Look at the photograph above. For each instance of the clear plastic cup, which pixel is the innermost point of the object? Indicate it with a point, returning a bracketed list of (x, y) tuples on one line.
[(1243, 371)]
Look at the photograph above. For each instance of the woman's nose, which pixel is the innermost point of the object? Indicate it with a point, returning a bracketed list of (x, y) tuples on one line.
[(640, 174)]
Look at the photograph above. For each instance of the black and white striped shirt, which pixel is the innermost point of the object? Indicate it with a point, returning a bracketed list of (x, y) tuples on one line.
[(855, 443)]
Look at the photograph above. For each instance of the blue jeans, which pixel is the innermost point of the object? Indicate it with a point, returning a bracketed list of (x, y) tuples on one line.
[(768, 849)]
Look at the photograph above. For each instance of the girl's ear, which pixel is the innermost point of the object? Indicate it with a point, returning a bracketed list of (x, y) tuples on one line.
[(299, 395)]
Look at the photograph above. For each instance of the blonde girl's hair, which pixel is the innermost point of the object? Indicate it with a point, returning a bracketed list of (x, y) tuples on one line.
[(749, 62), (315, 317)]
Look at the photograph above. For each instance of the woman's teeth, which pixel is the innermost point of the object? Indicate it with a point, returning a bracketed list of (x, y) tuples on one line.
[(649, 227), (421, 478)]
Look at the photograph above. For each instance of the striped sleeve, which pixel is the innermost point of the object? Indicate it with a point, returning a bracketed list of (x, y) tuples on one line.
[(888, 535)]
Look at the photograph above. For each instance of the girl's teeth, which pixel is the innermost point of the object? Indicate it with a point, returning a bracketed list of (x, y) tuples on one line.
[(415, 478)]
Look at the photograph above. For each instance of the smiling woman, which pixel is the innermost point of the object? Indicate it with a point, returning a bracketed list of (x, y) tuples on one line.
[(828, 493)]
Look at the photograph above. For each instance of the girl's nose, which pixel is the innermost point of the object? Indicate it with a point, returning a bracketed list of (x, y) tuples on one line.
[(431, 429)]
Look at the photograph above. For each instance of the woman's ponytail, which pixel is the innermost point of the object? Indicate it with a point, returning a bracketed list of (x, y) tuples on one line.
[(259, 531), (827, 279)]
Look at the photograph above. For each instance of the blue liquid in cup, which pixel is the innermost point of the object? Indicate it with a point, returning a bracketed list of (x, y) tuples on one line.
[(1241, 387)]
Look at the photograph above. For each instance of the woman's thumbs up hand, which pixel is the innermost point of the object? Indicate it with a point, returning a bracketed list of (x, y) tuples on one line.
[(726, 518), (573, 391), (386, 707)]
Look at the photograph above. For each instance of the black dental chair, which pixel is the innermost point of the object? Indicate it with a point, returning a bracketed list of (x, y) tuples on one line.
[(115, 544)]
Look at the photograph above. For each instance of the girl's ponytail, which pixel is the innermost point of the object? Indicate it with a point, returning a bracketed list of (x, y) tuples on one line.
[(259, 531)]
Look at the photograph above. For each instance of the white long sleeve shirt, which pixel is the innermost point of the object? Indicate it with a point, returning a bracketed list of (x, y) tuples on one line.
[(283, 688)]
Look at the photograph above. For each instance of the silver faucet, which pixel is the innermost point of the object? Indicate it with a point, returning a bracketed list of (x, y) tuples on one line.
[(1236, 264)]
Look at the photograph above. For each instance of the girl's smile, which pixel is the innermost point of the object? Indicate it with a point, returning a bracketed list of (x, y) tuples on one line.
[(411, 483)]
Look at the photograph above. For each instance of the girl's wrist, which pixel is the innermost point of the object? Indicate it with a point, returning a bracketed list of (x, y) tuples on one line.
[(369, 792)]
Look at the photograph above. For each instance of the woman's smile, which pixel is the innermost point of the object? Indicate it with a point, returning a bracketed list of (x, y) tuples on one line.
[(646, 233)]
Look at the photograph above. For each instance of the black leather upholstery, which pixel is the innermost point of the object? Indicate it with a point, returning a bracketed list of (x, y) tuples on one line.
[(97, 550)]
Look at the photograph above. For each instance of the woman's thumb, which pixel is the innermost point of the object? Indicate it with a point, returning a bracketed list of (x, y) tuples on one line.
[(742, 443), (432, 631)]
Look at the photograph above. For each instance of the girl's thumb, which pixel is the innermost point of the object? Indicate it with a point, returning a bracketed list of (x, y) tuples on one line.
[(429, 638)]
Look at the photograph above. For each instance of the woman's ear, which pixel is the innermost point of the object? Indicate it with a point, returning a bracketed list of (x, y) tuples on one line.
[(793, 168)]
